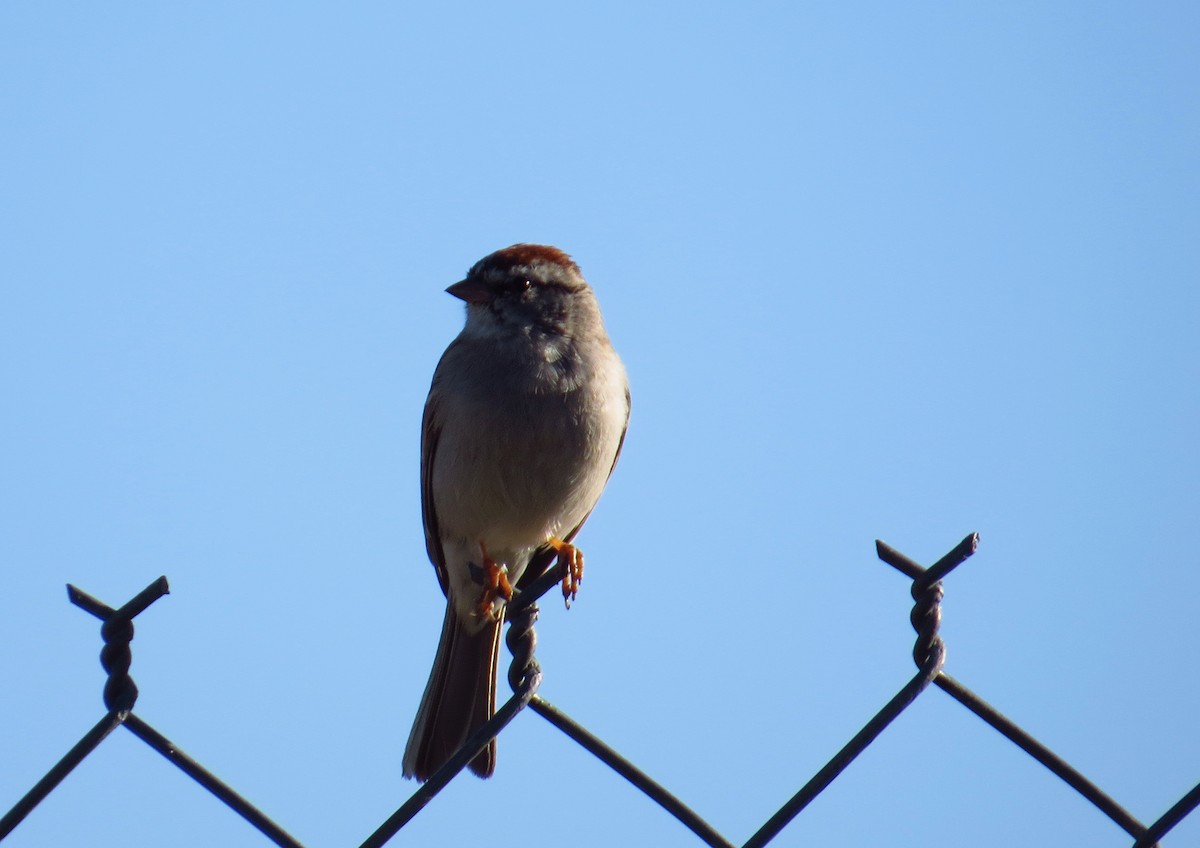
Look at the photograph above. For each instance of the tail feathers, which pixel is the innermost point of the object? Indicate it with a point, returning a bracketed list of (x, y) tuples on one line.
[(459, 698)]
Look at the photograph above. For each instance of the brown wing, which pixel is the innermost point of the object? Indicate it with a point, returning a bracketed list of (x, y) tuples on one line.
[(544, 556), (430, 432)]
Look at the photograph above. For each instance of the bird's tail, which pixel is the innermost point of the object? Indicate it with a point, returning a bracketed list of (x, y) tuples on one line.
[(460, 696)]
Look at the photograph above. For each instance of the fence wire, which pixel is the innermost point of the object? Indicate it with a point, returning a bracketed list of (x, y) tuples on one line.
[(524, 676)]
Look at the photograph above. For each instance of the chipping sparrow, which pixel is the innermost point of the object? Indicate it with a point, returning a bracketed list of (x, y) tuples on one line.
[(522, 428)]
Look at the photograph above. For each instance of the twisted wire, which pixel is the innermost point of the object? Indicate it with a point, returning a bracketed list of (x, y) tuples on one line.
[(521, 640), (926, 618), (120, 692), (524, 676)]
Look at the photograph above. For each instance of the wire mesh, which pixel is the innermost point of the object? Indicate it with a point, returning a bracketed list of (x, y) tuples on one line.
[(120, 695)]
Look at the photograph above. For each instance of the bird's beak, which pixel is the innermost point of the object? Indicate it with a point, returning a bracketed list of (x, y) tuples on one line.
[(470, 290)]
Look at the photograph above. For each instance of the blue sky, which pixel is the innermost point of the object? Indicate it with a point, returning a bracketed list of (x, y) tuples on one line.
[(876, 271)]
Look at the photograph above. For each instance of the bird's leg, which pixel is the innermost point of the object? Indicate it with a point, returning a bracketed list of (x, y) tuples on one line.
[(495, 582), (570, 559)]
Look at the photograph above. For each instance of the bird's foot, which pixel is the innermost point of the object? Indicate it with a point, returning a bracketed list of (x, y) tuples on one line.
[(495, 584), (570, 559)]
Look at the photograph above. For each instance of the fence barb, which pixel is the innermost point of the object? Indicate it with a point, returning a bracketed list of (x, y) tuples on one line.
[(929, 654), (129, 610), (525, 677), (120, 692), (924, 581)]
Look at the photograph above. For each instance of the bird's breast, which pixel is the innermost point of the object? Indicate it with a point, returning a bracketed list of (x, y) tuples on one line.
[(512, 471)]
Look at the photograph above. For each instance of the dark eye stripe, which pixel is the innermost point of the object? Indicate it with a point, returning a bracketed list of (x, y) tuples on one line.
[(516, 285)]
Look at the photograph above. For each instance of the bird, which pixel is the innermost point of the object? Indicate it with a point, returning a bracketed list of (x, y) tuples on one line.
[(525, 419)]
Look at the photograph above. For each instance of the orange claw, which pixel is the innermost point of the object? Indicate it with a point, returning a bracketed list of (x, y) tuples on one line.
[(570, 559), (495, 582)]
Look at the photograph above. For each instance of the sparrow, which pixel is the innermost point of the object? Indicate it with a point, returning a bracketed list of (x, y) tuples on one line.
[(522, 428)]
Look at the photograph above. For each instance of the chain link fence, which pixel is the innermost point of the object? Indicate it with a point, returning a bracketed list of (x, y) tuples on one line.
[(524, 677)]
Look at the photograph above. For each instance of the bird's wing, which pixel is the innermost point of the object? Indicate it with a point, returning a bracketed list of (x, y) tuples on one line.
[(430, 432)]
